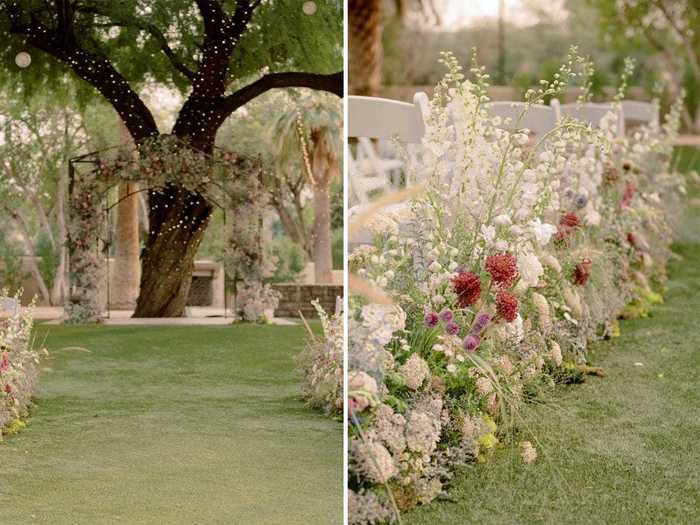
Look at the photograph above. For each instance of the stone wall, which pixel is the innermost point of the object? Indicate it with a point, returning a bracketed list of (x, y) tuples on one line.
[(298, 297)]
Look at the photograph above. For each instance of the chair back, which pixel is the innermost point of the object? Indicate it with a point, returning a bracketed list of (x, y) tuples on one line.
[(539, 119), (382, 118), (589, 112), (645, 112)]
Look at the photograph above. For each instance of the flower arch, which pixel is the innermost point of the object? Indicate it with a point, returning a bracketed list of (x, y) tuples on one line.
[(226, 180)]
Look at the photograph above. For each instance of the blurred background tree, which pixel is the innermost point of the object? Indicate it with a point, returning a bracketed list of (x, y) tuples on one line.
[(522, 41)]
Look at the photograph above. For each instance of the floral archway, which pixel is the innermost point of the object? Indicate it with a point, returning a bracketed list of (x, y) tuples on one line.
[(224, 179)]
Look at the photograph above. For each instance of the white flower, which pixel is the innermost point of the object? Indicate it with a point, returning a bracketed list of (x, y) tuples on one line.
[(438, 300), (502, 220), (555, 353), (422, 432), (551, 262), (544, 318), (528, 452), (530, 269), (489, 233), (435, 267), (415, 370), (542, 231), (484, 386)]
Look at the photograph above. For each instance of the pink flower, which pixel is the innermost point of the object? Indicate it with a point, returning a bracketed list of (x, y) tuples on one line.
[(431, 319), (471, 342), (452, 328)]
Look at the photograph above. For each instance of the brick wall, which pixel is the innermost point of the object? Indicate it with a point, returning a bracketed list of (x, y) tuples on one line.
[(296, 297)]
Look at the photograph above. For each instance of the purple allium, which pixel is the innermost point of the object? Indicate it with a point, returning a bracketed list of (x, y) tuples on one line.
[(446, 316), (471, 342), (480, 323), (431, 319), (452, 328)]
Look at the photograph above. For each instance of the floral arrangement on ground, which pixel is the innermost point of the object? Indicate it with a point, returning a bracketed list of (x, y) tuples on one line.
[(514, 257), (321, 363), (19, 364)]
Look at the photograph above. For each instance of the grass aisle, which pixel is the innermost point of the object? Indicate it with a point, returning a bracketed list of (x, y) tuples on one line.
[(624, 449), (172, 425)]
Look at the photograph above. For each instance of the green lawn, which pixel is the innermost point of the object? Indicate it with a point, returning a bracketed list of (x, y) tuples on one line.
[(618, 450), (172, 425)]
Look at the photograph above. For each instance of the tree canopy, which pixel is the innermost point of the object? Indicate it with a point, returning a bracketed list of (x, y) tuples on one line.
[(225, 51)]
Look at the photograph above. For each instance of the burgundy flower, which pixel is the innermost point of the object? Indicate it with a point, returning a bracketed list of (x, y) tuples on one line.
[(467, 286), (431, 319), (4, 363), (632, 239), (582, 272), (471, 342), (570, 221), (627, 197), (503, 267), (506, 305)]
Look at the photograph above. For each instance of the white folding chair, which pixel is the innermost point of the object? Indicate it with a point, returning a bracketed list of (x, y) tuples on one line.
[(539, 119), (589, 112), (363, 180), (383, 119), (640, 112)]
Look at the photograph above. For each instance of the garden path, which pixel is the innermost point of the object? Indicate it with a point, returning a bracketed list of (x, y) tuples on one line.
[(177, 425)]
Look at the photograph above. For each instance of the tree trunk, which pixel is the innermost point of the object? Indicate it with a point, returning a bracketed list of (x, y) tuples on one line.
[(178, 220), (365, 42), (60, 290), (124, 289), (126, 271), (323, 261)]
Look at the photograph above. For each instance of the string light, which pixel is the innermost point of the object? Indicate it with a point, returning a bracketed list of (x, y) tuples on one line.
[(23, 59), (309, 8), (304, 148)]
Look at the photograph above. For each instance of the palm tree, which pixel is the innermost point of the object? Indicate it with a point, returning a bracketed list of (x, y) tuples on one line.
[(365, 43), (365, 38), (308, 137)]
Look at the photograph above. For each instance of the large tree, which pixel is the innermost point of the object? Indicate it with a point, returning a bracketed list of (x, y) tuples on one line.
[(220, 53)]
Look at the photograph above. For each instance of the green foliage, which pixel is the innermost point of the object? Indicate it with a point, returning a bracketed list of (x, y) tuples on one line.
[(337, 248), (49, 258), (280, 37), (11, 271), (290, 260)]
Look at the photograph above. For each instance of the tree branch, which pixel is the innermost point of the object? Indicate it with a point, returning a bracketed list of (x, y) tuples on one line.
[(332, 83), (151, 29), (212, 14), (93, 68)]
